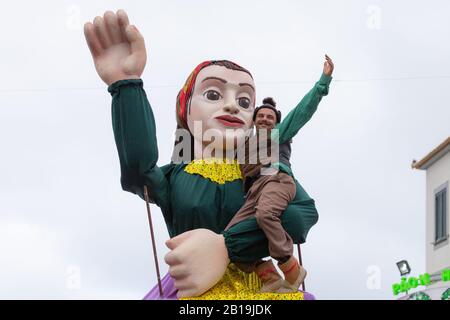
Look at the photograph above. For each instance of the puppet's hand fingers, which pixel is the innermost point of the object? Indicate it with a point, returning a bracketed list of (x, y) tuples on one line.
[(117, 48), (198, 261), (92, 40), (112, 26)]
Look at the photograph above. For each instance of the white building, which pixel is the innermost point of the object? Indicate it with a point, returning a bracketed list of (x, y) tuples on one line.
[(437, 167)]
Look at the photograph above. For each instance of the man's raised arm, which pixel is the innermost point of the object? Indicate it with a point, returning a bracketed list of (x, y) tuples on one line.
[(303, 112)]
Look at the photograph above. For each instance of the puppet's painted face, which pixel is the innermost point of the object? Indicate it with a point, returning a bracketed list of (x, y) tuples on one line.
[(223, 100)]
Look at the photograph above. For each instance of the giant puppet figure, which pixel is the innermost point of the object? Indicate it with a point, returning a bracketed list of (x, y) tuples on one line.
[(198, 198)]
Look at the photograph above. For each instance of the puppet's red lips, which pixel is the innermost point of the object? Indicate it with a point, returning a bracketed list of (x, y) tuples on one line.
[(230, 121)]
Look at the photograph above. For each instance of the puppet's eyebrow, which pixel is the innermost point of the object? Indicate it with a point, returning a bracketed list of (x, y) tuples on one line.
[(225, 81), (246, 84), (214, 78)]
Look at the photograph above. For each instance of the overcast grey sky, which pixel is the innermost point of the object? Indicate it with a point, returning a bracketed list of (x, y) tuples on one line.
[(63, 215)]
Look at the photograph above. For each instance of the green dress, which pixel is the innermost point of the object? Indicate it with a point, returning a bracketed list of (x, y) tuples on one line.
[(190, 201)]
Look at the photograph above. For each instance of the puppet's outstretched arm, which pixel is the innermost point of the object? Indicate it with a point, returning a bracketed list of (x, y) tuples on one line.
[(119, 55), (135, 135)]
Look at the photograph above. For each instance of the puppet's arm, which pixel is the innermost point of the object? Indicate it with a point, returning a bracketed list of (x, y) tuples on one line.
[(119, 54), (246, 242), (135, 135), (303, 112), (199, 257)]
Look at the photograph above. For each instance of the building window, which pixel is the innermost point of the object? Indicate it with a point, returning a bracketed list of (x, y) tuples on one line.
[(441, 215)]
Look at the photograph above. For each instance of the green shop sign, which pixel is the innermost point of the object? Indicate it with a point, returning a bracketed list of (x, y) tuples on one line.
[(413, 282)]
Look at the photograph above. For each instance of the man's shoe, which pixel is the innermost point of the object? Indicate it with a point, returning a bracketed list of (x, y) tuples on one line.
[(294, 274), (270, 278)]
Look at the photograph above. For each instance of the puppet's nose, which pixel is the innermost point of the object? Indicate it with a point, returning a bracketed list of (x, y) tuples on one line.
[(231, 108)]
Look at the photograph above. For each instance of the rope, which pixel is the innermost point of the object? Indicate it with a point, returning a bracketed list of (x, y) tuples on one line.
[(155, 255)]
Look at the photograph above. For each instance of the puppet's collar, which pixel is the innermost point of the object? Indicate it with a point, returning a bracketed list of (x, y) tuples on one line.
[(216, 170)]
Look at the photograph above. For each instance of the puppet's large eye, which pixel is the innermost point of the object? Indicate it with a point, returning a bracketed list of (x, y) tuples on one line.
[(244, 102), (212, 95)]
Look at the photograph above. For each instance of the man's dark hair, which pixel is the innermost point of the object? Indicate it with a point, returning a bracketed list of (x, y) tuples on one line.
[(268, 103)]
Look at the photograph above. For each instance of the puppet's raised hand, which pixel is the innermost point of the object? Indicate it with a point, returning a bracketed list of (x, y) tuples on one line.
[(328, 66), (198, 260), (118, 49)]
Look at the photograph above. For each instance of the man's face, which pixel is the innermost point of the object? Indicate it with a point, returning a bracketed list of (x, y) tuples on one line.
[(265, 119)]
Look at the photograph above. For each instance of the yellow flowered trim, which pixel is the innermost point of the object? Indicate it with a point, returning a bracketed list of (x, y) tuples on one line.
[(238, 285), (216, 170)]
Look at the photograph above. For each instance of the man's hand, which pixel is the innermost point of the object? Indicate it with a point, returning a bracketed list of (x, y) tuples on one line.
[(328, 66), (198, 260), (118, 49)]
